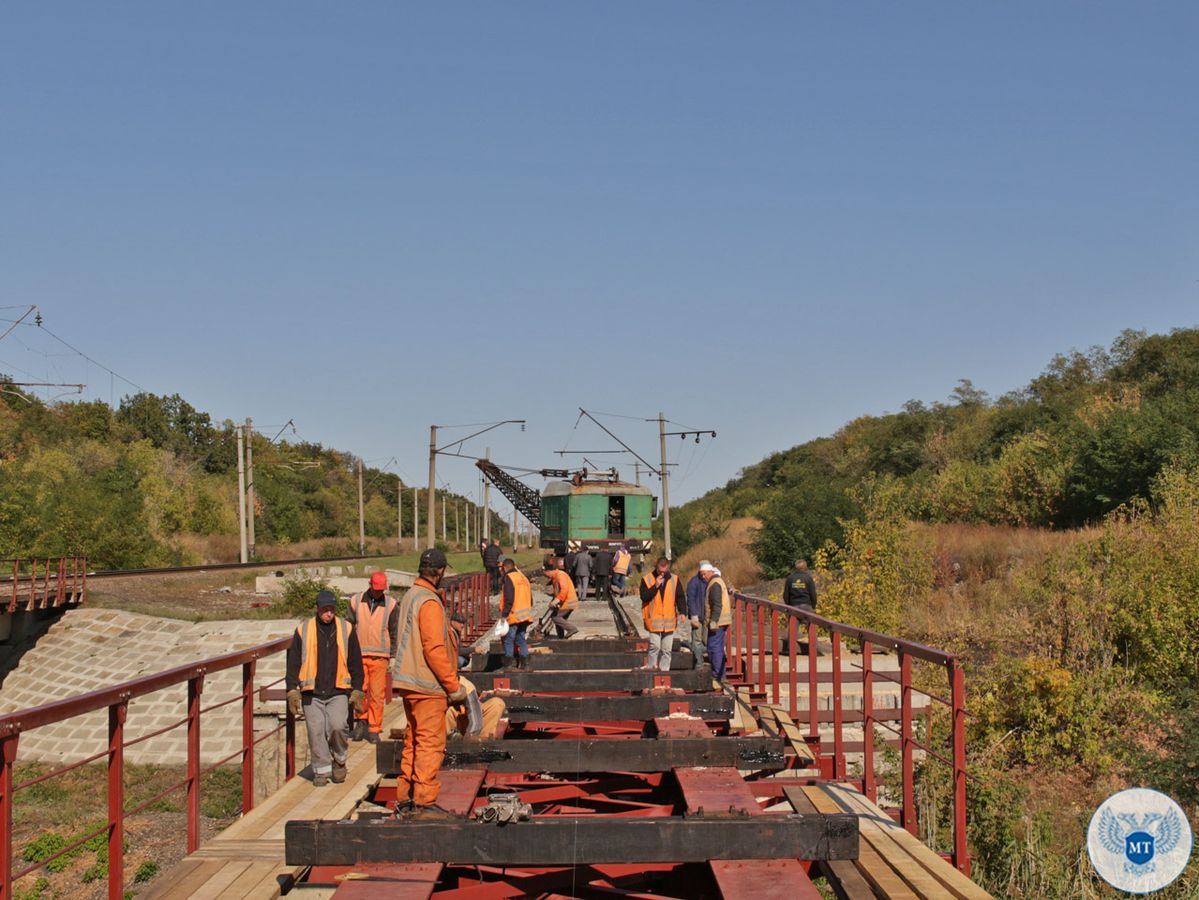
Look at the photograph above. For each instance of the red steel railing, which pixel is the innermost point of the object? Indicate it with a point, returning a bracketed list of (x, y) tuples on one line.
[(754, 634), (46, 583), (467, 594)]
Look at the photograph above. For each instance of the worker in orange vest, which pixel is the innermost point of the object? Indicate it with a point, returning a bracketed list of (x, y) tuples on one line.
[(620, 568), (562, 596), (427, 680), (661, 594), (323, 680), (376, 620), (718, 614), (516, 605)]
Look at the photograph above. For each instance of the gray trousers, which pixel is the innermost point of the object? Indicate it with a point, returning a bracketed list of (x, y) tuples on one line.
[(660, 646), (697, 639), (328, 731), (581, 585)]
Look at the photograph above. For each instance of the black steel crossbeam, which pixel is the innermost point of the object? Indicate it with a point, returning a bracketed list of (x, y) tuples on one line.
[(570, 840), (600, 754), (534, 708), (569, 681), (490, 662), (588, 645)]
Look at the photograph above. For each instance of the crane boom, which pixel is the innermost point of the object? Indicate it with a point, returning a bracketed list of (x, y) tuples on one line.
[(526, 500)]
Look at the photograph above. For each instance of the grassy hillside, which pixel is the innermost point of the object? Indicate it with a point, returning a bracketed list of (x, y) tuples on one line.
[(1090, 433), (154, 482)]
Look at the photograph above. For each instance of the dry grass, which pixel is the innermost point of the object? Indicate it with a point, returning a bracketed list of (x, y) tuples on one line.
[(729, 553), (224, 548), (976, 606)]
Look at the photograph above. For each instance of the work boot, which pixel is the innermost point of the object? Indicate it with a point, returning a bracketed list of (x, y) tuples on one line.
[(508, 662), (339, 773), (320, 780), (359, 732), (433, 813), (372, 737), (522, 662)]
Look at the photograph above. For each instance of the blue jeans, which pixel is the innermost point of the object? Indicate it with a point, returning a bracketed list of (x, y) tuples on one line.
[(618, 581), (516, 636), (716, 650)]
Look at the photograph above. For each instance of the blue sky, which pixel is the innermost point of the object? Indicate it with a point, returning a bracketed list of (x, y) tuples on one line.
[(765, 218)]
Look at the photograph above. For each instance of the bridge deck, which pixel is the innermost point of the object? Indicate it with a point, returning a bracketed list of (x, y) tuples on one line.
[(245, 861)]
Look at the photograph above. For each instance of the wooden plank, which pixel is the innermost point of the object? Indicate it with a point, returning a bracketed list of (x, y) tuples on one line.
[(260, 882), (792, 733), (874, 820), (227, 876), (188, 877), (245, 850), (885, 880), (843, 876)]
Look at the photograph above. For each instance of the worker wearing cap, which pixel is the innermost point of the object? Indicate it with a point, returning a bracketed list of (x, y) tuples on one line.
[(376, 620), (661, 595), (427, 680), (516, 604), (718, 612), (562, 596), (323, 680)]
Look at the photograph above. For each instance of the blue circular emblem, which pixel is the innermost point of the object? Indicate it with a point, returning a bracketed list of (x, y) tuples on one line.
[(1139, 840)]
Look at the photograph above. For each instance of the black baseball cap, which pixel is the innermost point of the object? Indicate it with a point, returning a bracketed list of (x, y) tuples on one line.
[(326, 598), (433, 559)]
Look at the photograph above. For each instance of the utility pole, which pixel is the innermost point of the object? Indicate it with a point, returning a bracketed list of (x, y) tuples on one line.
[(443, 537), (637, 473), (429, 501), (415, 521), (457, 535), (241, 493), (361, 514), (466, 516), (487, 502), (250, 486), (665, 470), (399, 513), (515, 533)]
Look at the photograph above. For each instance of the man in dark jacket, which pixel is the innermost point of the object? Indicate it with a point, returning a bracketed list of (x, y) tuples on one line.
[(323, 680), (602, 573), (695, 614), (491, 562), (582, 574), (799, 589)]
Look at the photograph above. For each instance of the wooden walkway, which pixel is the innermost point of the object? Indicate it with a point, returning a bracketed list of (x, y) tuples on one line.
[(245, 861)]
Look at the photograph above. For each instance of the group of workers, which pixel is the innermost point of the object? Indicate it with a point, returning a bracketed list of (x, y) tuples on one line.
[(608, 570), (335, 664)]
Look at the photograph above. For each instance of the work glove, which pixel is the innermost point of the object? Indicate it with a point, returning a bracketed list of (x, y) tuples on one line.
[(458, 696), (294, 703), (695, 621), (358, 701)]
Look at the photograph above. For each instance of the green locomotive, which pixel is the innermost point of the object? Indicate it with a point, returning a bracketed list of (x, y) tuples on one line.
[(592, 515), (582, 513)]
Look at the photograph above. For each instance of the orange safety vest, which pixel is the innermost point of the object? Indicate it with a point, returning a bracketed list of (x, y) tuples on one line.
[(411, 671), (620, 565), (308, 651), (726, 610), (522, 599), (371, 624), (564, 589), (660, 614)]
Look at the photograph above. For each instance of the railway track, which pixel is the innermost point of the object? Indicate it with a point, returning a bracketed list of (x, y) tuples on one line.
[(625, 626)]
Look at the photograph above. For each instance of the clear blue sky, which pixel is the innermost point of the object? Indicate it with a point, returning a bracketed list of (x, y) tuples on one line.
[(763, 218)]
